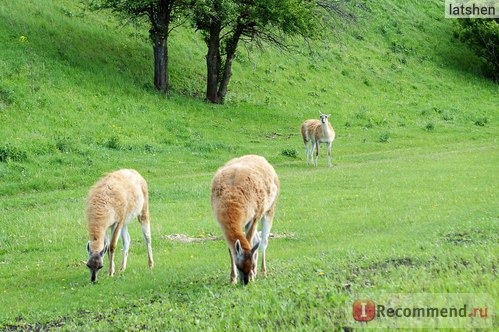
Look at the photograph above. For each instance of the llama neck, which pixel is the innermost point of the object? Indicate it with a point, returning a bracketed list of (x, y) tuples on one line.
[(325, 129), (97, 241), (242, 239)]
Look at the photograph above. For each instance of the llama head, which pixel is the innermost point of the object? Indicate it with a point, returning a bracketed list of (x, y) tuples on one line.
[(324, 117), (245, 261), (95, 261)]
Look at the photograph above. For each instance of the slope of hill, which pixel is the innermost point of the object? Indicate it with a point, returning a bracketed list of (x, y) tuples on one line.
[(74, 81)]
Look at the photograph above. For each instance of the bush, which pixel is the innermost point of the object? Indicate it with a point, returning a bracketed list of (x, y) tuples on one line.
[(482, 35), (6, 95), (65, 144), (384, 137), (481, 121), (114, 143), (12, 153), (292, 153)]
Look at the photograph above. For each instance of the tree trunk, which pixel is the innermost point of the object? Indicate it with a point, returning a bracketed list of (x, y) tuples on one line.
[(231, 54), (160, 17), (213, 60), (161, 77)]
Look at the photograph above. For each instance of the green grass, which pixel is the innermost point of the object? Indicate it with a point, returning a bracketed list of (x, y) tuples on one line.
[(410, 205)]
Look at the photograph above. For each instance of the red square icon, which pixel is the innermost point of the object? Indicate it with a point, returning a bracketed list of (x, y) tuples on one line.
[(363, 310)]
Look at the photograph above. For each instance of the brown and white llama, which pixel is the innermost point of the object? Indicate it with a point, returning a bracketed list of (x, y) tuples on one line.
[(244, 191), (112, 203), (315, 132)]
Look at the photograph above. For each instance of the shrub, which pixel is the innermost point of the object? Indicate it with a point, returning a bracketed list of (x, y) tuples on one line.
[(482, 35), (447, 116), (481, 121), (384, 137), (64, 144), (7, 95), (12, 153), (148, 148), (114, 143), (292, 153)]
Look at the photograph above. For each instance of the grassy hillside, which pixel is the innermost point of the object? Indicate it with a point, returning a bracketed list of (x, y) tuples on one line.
[(410, 205)]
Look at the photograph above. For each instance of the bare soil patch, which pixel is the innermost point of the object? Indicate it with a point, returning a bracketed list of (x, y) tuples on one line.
[(182, 238)]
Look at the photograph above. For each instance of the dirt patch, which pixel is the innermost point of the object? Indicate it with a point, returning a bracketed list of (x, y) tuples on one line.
[(182, 238), (281, 236)]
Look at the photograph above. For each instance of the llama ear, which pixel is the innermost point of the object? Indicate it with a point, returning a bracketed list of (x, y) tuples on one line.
[(239, 250), (255, 248), (328, 115), (88, 247)]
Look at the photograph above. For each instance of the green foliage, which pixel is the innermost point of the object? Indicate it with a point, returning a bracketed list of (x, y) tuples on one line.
[(134, 10), (113, 142), (225, 23), (6, 96), (292, 153), (259, 18), (12, 153), (481, 121), (384, 137), (482, 36)]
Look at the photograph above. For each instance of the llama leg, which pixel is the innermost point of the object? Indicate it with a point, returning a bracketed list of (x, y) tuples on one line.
[(233, 269), (125, 238), (146, 230), (266, 226), (311, 152), (253, 238), (112, 247), (316, 152), (306, 151), (250, 230), (255, 241), (329, 153)]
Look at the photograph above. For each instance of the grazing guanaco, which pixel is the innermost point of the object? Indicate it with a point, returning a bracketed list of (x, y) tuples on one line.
[(243, 192)]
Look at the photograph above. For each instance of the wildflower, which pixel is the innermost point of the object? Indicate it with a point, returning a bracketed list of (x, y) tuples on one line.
[(23, 39)]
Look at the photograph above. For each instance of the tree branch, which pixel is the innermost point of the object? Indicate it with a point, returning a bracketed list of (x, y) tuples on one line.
[(335, 7)]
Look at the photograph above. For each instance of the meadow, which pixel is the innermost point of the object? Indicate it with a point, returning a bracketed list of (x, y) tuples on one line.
[(409, 206)]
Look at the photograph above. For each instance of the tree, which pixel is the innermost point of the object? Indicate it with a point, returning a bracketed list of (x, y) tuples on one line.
[(159, 13), (482, 35), (224, 23)]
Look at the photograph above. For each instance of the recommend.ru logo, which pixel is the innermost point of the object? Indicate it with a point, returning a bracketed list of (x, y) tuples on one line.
[(424, 311)]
